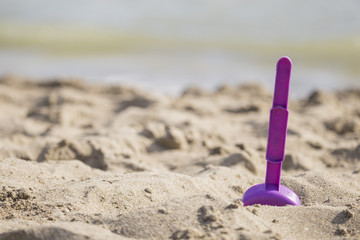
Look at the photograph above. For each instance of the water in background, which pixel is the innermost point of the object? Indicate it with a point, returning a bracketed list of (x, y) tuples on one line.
[(166, 45)]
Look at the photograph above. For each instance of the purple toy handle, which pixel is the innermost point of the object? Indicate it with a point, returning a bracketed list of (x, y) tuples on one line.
[(282, 82), (278, 125), (271, 192)]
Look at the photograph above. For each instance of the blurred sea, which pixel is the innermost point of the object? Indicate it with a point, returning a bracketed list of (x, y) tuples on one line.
[(164, 46)]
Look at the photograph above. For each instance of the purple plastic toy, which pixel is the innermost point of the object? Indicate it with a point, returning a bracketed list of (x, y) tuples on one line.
[(271, 192)]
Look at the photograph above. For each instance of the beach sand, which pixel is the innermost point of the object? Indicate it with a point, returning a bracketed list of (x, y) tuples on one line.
[(81, 161)]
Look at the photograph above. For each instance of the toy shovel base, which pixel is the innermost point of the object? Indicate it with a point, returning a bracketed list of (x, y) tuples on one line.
[(270, 196)]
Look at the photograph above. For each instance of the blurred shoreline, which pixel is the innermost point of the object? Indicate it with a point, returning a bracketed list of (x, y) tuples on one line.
[(166, 47), (171, 72)]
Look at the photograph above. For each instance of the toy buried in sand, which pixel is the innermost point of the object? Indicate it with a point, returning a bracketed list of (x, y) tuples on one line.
[(271, 192)]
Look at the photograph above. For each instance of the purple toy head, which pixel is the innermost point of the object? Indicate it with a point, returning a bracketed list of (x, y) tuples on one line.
[(271, 192), (258, 194)]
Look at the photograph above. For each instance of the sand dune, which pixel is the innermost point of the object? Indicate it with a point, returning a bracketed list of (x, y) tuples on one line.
[(85, 161)]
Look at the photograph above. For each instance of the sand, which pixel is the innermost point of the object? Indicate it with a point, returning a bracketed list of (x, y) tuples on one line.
[(81, 161)]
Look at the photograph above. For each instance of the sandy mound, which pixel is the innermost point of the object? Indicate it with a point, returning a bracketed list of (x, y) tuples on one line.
[(108, 162)]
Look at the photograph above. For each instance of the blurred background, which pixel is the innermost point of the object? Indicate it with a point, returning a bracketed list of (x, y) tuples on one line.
[(164, 46)]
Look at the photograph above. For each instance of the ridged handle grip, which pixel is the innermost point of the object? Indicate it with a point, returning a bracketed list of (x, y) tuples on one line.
[(275, 150)]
